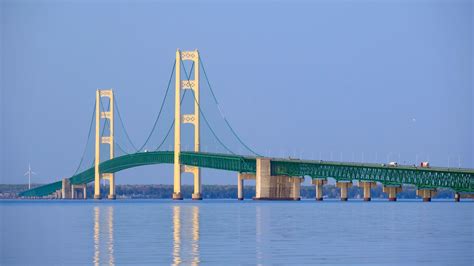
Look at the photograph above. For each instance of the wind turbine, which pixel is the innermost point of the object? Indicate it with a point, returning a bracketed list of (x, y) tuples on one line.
[(29, 173)]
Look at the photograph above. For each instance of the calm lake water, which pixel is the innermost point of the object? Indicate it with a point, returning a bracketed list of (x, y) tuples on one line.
[(231, 232)]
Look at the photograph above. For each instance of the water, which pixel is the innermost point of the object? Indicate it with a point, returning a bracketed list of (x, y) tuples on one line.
[(231, 232)]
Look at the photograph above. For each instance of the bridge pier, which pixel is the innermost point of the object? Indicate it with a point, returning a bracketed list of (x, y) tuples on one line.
[(240, 183), (296, 189), (426, 193), (74, 189), (319, 183), (367, 186), (66, 188), (197, 196), (270, 187), (457, 197), (343, 185), (392, 191), (240, 187)]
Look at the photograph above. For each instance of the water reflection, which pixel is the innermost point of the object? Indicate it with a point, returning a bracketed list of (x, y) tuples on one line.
[(110, 243), (99, 223), (176, 235), (258, 234), (96, 235), (195, 242), (184, 239)]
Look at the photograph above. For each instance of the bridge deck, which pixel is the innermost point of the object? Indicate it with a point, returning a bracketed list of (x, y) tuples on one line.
[(460, 180)]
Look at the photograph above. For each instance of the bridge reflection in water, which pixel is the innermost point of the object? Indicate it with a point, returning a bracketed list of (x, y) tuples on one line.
[(104, 230), (185, 222), (182, 240)]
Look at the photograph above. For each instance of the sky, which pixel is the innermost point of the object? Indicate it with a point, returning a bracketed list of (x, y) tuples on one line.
[(364, 81)]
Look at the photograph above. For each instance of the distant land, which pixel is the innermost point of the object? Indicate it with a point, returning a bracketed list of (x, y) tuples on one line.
[(10, 191)]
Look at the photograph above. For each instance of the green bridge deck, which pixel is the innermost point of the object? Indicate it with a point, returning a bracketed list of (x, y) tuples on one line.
[(460, 180)]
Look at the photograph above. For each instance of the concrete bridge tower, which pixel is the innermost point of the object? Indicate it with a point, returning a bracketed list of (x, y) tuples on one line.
[(107, 114), (193, 85)]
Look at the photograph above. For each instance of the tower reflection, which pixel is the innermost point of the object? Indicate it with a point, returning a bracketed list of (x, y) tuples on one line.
[(108, 234), (96, 236), (195, 230), (185, 241), (176, 235)]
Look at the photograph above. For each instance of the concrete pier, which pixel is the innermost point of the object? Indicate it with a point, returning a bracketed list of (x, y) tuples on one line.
[(274, 187), (196, 196), (319, 183), (426, 193), (295, 191), (240, 184), (344, 185), (240, 187), (177, 196), (74, 189), (66, 189), (392, 191), (457, 197), (367, 186)]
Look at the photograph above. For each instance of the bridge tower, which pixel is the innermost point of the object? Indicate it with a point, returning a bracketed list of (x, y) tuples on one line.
[(191, 84), (108, 114)]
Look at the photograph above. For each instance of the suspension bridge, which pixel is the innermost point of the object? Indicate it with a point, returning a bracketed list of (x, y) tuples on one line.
[(275, 178)]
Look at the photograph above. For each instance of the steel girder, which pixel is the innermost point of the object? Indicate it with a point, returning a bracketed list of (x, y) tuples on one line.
[(456, 179)]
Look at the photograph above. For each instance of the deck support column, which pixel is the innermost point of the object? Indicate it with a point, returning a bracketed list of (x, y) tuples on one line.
[(66, 188), (295, 191), (270, 187), (240, 183), (319, 183), (82, 187), (457, 197), (344, 185), (240, 187), (73, 192), (392, 191), (426, 193), (262, 181), (367, 186)]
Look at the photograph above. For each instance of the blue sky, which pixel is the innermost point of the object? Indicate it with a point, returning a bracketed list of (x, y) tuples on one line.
[(351, 80)]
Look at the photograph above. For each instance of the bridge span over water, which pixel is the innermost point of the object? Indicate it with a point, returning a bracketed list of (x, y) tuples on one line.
[(276, 178), (460, 180)]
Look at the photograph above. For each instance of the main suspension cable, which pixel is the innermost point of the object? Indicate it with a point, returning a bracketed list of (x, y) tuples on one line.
[(202, 113), (87, 142), (161, 108), (174, 119), (220, 110), (167, 134), (123, 125)]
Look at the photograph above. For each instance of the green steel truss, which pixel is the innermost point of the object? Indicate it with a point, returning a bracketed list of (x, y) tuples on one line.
[(206, 160), (460, 180)]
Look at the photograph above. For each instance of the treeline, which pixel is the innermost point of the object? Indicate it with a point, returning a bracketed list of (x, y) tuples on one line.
[(223, 191)]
